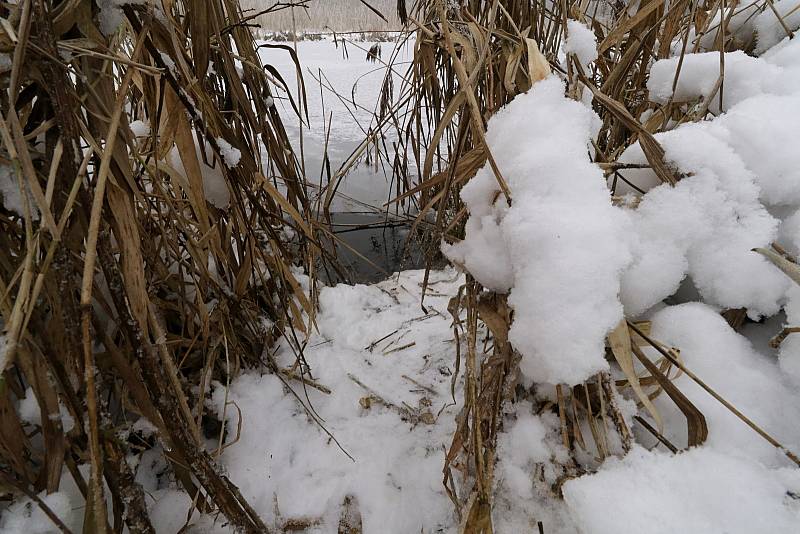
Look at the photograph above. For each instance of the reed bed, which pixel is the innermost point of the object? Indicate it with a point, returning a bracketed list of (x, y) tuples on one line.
[(470, 59), (149, 253)]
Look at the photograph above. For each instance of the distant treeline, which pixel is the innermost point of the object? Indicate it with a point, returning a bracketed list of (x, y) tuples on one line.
[(324, 15)]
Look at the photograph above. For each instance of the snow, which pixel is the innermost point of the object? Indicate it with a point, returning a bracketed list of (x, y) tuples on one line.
[(745, 77), (581, 42), (789, 231), (738, 190), (711, 349), (29, 411), (529, 448), (529, 440), (775, 72), (289, 468), (739, 28), (140, 128), (736, 481), (28, 408), (230, 155), (9, 190), (695, 492), (215, 187), (168, 512), (563, 239), (748, 26), (737, 173), (26, 517), (789, 355), (572, 262), (705, 227), (389, 367), (769, 29), (484, 253)]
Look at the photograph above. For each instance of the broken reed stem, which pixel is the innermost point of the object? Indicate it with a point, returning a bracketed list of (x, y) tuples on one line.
[(642, 421), (772, 441), (475, 110), (98, 505)]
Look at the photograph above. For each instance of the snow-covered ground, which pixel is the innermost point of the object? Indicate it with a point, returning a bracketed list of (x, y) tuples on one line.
[(389, 366), (372, 429)]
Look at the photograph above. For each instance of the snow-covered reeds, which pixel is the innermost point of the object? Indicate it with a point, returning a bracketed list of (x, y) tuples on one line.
[(522, 211), (148, 194), (585, 164)]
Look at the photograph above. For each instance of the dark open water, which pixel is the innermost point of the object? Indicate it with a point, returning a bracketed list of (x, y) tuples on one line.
[(378, 247)]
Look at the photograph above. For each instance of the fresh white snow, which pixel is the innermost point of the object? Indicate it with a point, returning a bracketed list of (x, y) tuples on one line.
[(560, 247), (389, 366), (230, 155), (581, 42), (698, 491), (768, 27)]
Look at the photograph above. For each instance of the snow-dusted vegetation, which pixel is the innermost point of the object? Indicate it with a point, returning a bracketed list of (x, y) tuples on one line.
[(605, 339)]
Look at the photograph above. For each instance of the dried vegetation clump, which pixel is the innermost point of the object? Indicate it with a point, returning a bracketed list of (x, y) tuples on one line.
[(470, 59), (148, 253)]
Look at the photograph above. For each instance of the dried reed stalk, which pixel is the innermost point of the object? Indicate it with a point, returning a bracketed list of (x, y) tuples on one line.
[(122, 276), (471, 58)]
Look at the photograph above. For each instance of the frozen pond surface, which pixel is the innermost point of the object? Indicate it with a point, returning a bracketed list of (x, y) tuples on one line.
[(342, 91)]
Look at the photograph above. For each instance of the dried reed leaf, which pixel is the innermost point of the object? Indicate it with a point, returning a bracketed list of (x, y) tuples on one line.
[(538, 66), (619, 340), (789, 268), (696, 422), (614, 37)]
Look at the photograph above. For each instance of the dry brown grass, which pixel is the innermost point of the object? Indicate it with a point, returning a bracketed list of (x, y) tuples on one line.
[(123, 291), (471, 59)]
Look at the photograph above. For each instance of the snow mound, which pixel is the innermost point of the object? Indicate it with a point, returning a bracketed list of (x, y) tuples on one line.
[(581, 42), (705, 226), (745, 76), (695, 492), (770, 30), (737, 169), (562, 238), (727, 362)]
